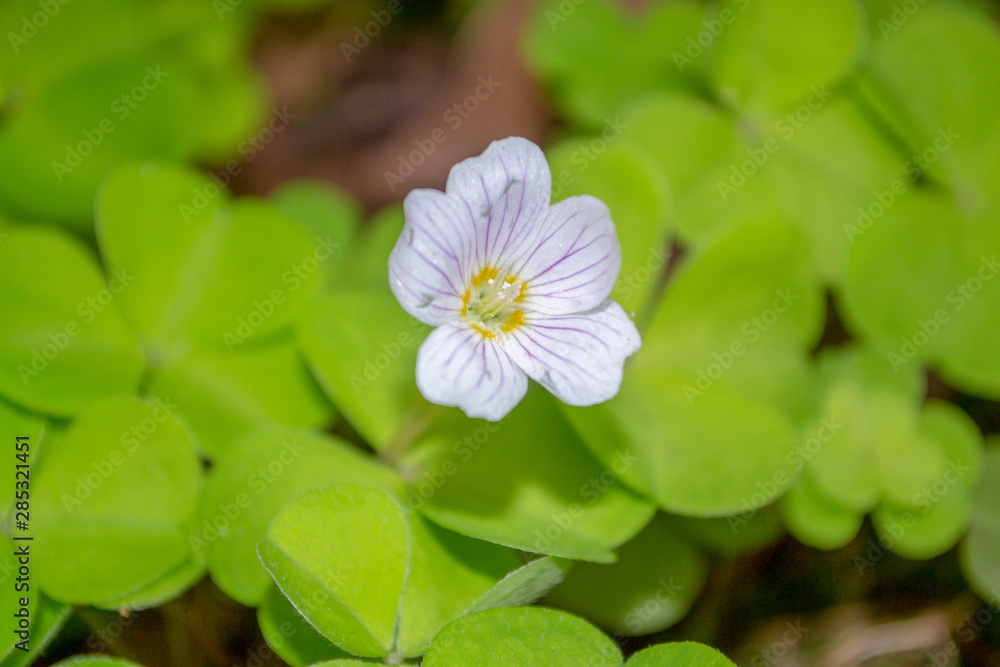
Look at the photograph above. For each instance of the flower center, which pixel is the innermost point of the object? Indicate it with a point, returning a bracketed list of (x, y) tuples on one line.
[(491, 304)]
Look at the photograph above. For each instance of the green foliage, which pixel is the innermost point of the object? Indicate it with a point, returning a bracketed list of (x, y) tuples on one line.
[(492, 482), (47, 619), (210, 286), (364, 263), (521, 636), (633, 187), (696, 404), (651, 586), (753, 295), (957, 55), (872, 448), (684, 654), (299, 644), (373, 578), (981, 549), (198, 287), (324, 213), (777, 52), (732, 536), (96, 661), (118, 489), (292, 638), (100, 85), (547, 638), (525, 584), (222, 396), (362, 347), (580, 51), (180, 359), (248, 487), (917, 243), (17, 422), (63, 342), (886, 163)]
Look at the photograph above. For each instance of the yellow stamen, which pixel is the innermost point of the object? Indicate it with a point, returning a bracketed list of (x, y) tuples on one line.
[(488, 303), (487, 274), (483, 332), (514, 320)]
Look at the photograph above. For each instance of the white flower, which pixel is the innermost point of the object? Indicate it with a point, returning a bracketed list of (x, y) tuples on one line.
[(515, 287)]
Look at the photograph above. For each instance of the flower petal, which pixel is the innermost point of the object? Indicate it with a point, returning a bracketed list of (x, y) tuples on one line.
[(579, 358), (458, 367), (506, 190), (577, 258), (429, 266)]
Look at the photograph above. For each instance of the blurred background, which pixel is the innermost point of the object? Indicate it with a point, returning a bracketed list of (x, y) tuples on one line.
[(379, 97)]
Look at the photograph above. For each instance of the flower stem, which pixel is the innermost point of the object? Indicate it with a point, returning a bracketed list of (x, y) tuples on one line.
[(420, 416)]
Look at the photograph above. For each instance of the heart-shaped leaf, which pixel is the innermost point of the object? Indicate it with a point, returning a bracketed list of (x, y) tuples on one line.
[(363, 349), (221, 396), (292, 638), (528, 482), (519, 636), (95, 661), (373, 578), (771, 54), (633, 187), (249, 485), (715, 454), (935, 79), (63, 343), (580, 49), (200, 287), (67, 136), (113, 500), (652, 585), (682, 654)]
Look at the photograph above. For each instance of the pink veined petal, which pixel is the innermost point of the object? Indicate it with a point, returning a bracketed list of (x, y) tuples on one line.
[(458, 367), (430, 263), (576, 261), (579, 358), (506, 191)]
